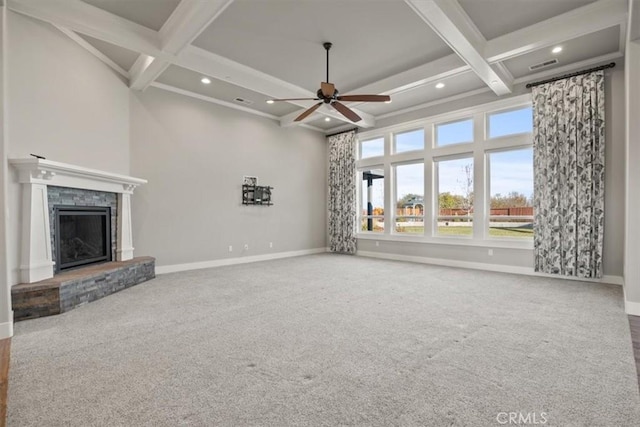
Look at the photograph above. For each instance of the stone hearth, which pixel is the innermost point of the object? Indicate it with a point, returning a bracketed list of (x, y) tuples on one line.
[(68, 290)]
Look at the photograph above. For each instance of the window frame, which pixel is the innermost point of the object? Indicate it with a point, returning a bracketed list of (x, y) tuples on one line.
[(360, 216), (394, 147), (488, 205), (394, 193), (477, 149), (488, 114)]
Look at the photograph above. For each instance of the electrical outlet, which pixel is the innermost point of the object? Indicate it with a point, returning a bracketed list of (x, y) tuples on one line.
[(377, 243), (271, 244), (230, 248), (246, 247), (490, 252)]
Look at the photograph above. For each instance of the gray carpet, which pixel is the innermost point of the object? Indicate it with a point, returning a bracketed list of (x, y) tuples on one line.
[(330, 340)]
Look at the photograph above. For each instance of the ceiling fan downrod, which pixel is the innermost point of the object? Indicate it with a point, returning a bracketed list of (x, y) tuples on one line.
[(327, 46)]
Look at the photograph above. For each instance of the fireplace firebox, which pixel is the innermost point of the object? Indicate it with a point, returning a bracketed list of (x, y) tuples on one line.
[(82, 236)]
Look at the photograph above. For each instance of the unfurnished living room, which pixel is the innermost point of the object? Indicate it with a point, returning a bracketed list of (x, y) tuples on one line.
[(319, 212)]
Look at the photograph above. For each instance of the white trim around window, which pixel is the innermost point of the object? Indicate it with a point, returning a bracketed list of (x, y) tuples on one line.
[(478, 150)]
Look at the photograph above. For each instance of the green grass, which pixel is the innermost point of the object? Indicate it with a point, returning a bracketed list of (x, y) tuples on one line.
[(468, 231)]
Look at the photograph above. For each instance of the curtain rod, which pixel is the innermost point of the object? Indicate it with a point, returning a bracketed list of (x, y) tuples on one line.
[(577, 73), (344, 131)]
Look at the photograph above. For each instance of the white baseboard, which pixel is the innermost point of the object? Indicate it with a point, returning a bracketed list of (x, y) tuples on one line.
[(164, 269), (6, 329), (527, 271), (632, 308)]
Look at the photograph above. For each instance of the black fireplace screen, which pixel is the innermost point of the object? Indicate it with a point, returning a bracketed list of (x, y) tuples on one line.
[(83, 236)]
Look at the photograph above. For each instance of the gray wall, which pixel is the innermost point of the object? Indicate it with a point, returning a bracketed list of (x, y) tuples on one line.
[(194, 155), (62, 103), (614, 189)]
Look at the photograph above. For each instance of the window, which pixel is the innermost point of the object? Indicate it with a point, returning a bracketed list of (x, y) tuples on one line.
[(461, 178), (455, 197), (372, 148), (511, 183), (510, 122), (372, 200), (409, 198), (409, 141), (454, 132)]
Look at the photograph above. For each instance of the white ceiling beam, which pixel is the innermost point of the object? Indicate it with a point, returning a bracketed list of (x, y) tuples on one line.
[(188, 20), (185, 24), (145, 71), (578, 22), (92, 21), (95, 52), (452, 24)]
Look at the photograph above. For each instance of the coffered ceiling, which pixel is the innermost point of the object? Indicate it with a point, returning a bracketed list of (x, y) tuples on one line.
[(255, 50)]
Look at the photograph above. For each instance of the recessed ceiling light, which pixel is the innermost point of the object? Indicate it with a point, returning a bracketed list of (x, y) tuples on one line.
[(270, 101), (440, 85), (556, 49), (327, 119), (494, 82), (205, 80)]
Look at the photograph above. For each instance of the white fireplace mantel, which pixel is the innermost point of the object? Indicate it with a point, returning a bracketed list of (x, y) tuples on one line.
[(36, 175)]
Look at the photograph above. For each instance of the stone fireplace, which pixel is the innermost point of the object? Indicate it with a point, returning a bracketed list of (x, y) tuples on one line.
[(76, 223), (49, 185)]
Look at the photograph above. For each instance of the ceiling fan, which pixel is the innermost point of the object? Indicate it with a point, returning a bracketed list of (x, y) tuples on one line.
[(328, 94)]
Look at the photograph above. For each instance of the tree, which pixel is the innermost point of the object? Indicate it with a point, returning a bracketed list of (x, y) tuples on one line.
[(449, 201), (467, 187), (511, 200)]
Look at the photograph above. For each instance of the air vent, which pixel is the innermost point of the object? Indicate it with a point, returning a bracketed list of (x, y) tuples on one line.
[(545, 64), (243, 101)]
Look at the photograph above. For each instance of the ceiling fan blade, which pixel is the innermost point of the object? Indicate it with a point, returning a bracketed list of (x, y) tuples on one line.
[(307, 112), (328, 89), (365, 98), (296, 99), (346, 111)]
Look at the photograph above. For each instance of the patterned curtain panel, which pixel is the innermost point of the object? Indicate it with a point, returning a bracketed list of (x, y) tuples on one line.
[(342, 193), (568, 140)]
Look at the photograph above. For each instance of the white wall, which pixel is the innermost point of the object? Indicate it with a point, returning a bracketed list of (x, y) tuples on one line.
[(62, 103), (522, 259), (194, 155), (6, 315)]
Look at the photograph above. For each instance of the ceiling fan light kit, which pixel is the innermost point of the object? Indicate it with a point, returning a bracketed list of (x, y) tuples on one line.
[(328, 94)]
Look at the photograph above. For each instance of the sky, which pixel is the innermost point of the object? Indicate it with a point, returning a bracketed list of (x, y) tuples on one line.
[(508, 170)]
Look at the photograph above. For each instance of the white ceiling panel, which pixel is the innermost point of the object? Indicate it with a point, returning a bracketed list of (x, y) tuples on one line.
[(427, 93), (225, 91), (498, 17), (149, 13), (323, 124), (585, 47), (371, 40), (121, 56)]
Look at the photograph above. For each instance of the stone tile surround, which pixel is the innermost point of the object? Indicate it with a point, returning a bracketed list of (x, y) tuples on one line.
[(73, 288)]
